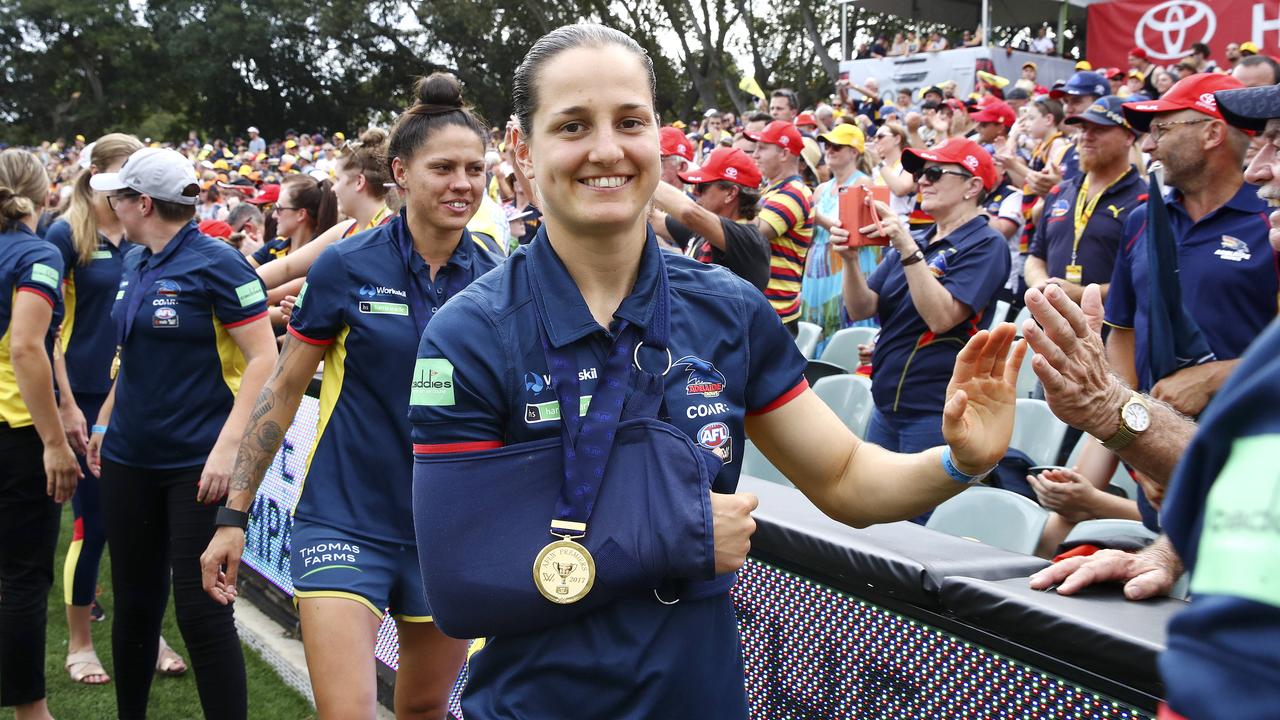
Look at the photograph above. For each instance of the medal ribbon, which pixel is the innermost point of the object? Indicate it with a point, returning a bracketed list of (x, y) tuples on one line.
[(588, 442), (135, 294)]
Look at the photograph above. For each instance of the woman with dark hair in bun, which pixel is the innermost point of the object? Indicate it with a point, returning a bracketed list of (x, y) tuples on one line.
[(306, 208), (364, 307)]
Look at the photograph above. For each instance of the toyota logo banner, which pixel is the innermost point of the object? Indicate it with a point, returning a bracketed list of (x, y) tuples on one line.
[(1167, 29)]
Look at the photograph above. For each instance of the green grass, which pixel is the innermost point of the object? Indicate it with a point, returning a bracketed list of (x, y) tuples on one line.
[(171, 698)]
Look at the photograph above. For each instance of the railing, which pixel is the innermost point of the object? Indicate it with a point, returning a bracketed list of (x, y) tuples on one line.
[(894, 621)]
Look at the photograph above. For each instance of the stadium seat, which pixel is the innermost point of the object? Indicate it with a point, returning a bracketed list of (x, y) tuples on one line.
[(755, 464), (1023, 315), (1028, 384), (815, 370), (1120, 479), (1037, 432), (1000, 314), (843, 347), (849, 396), (992, 516), (1100, 530), (807, 337)]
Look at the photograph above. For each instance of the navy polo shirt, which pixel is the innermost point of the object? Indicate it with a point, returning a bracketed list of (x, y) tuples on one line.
[(1056, 233), (272, 250), (27, 264), (1227, 270), (179, 368), (912, 365), (1071, 163), (356, 302), (731, 357), (1222, 513), (89, 291)]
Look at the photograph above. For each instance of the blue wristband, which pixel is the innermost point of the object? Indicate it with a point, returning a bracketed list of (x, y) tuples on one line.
[(954, 472), (99, 429)]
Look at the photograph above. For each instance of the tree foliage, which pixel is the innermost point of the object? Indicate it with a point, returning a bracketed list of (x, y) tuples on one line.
[(164, 67)]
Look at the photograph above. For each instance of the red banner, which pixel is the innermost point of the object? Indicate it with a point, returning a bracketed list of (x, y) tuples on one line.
[(1166, 29)]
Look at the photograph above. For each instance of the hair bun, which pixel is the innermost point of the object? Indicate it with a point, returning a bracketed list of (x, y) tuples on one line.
[(374, 136), (14, 206), (441, 89)]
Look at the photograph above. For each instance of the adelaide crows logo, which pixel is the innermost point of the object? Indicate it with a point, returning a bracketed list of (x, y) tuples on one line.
[(704, 378)]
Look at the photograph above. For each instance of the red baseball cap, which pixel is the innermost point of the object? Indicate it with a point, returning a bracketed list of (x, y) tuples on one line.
[(728, 164), (215, 228), (780, 133), (267, 195), (673, 142), (805, 118), (996, 111), (1138, 53), (957, 106), (1194, 92), (955, 151)]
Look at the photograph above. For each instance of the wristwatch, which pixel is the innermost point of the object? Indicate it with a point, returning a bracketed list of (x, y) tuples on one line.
[(229, 517), (1135, 418), (913, 258)]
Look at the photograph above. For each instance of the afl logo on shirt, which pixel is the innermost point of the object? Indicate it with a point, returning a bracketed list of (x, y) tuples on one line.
[(704, 378), (717, 438), (1060, 207), (166, 288), (165, 317)]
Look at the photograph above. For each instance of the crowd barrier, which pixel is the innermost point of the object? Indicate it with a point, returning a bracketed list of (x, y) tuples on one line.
[(893, 621)]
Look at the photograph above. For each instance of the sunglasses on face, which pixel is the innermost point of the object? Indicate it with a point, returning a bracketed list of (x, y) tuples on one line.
[(935, 173)]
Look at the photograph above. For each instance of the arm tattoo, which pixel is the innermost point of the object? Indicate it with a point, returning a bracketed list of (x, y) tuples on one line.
[(266, 401)]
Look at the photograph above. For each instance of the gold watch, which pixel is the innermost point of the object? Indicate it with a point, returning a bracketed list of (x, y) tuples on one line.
[(1135, 418)]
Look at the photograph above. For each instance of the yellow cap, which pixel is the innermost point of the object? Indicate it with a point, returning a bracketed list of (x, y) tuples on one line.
[(1083, 65), (79, 138), (245, 170), (221, 165), (847, 135), (290, 144), (340, 136), (993, 79), (1249, 47)]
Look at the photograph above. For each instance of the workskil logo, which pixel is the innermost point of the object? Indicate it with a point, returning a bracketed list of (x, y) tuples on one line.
[(704, 379)]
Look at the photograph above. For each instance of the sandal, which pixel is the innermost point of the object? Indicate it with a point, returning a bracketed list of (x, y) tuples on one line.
[(83, 665), (168, 662)]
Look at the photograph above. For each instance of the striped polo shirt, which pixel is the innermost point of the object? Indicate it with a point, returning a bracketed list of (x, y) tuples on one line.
[(788, 208)]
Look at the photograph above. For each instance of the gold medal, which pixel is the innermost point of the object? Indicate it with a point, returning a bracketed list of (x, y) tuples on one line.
[(564, 572), (115, 364)]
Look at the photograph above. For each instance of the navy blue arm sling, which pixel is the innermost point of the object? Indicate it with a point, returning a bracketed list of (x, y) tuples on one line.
[(626, 493)]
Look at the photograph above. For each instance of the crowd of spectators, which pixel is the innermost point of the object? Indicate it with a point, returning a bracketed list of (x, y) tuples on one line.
[(1046, 193)]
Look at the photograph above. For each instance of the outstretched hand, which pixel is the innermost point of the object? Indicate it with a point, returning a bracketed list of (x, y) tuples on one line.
[(977, 420), (1071, 360)]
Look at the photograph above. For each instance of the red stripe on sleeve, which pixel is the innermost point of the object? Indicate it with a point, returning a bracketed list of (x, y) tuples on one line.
[(245, 321), (445, 448), (47, 298), (784, 398), (307, 340)]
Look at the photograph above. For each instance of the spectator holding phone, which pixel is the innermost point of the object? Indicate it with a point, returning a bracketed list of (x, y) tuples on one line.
[(931, 292)]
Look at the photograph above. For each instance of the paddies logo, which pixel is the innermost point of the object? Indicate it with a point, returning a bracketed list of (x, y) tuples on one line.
[(432, 383)]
